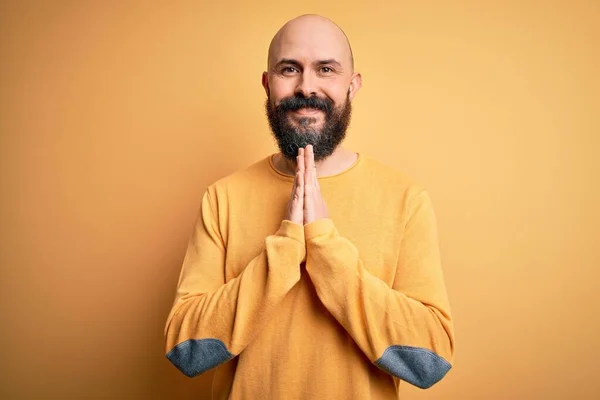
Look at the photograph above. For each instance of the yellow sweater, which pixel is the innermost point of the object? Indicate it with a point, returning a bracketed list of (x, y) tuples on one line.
[(342, 308)]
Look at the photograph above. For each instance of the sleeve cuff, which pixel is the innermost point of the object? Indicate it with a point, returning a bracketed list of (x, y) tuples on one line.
[(292, 230), (320, 227)]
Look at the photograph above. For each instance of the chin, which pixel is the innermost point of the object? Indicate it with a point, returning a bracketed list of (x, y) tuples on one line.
[(313, 122)]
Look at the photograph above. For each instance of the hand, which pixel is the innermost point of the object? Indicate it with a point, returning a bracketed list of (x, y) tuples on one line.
[(314, 204), (295, 206)]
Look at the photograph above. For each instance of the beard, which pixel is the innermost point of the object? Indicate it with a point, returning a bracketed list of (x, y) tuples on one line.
[(292, 135)]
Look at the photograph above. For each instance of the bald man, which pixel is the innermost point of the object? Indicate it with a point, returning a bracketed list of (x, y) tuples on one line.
[(315, 272)]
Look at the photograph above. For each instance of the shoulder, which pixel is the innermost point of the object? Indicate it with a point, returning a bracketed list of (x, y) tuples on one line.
[(390, 179), (242, 180)]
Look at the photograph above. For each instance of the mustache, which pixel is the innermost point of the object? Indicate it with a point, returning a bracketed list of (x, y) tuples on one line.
[(298, 102)]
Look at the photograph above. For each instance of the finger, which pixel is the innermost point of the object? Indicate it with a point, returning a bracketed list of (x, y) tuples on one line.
[(295, 184), (314, 169), (300, 174), (301, 159), (310, 165), (315, 180)]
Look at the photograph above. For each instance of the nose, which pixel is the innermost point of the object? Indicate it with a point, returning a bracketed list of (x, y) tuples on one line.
[(307, 85)]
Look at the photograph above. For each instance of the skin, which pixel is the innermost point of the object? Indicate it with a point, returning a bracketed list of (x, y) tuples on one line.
[(310, 55), (306, 203)]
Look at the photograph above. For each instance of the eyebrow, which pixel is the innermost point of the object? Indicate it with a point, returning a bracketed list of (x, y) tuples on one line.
[(291, 61)]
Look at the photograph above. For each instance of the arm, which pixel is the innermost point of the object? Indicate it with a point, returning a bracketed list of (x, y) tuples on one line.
[(212, 321), (406, 330)]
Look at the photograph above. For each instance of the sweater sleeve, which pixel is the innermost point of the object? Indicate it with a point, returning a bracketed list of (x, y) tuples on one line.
[(405, 329), (211, 320)]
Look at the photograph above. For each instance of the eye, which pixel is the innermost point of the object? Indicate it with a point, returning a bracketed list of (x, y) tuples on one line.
[(326, 70), (288, 70)]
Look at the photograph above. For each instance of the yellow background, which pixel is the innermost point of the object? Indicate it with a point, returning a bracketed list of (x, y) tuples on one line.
[(116, 115)]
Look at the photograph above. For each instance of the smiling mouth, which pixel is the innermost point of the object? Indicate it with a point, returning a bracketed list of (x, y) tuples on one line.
[(307, 111)]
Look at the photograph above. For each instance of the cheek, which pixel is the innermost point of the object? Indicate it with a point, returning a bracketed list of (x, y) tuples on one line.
[(338, 92), (281, 88)]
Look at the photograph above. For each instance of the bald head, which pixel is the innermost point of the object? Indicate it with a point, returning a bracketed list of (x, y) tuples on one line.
[(311, 37)]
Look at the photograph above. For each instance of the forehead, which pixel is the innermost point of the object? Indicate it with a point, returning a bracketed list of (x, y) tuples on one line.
[(309, 44)]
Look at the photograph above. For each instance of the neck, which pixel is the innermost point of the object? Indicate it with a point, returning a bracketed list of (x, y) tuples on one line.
[(340, 160)]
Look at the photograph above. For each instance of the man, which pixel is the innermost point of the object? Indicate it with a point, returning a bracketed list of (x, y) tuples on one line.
[(314, 273)]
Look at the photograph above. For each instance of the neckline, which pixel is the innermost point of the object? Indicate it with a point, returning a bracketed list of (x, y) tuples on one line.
[(288, 177)]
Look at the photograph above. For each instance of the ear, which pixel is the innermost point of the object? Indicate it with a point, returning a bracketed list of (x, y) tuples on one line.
[(265, 82), (355, 85)]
